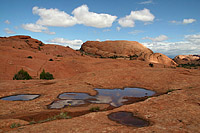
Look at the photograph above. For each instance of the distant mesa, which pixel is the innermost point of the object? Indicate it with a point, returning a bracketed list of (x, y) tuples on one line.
[(187, 59), (125, 49)]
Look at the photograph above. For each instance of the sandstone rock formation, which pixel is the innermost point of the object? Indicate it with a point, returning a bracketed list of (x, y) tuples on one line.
[(114, 48), (187, 59), (125, 49)]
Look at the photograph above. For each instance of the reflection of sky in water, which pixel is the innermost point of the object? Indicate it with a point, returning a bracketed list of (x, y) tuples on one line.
[(72, 95), (20, 97), (63, 103), (114, 97)]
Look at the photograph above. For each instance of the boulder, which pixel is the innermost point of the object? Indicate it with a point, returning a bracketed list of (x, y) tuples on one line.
[(115, 48), (125, 49)]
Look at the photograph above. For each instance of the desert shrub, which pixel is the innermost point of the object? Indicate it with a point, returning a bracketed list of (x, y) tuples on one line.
[(50, 59), (113, 57), (59, 55), (170, 90), (132, 57), (46, 75), (22, 75), (30, 57), (95, 109), (189, 66), (39, 48), (14, 125), (151, 65)]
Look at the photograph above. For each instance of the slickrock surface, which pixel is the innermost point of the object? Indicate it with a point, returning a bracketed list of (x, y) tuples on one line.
[(176, 108)]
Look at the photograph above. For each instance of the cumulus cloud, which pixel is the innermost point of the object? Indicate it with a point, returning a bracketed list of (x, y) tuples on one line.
[(184, 21), (126, 22), (53, 17), (37, 28), (146, 2), (75, 44), (34, 27), (190, 45), (157, 39), (7, 22), (188, 21), (8, 31), (142, 15), (84, 16)]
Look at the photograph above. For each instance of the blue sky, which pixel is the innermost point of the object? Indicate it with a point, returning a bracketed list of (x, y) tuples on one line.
[(171, 27)]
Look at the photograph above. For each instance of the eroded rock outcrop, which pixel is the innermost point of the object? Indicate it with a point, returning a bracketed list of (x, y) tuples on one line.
[(187, 59), (125, 49), (115, 48)]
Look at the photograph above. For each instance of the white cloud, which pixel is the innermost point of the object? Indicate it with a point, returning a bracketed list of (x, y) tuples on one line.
[(157, 39), (135, 32), (7, 22), (75, 44), (118, 28), (37, 28), (188, 21), (126, 22), (82, 15), (98, 40), (54, 17), (92, 19), (34, 27), (185, 21), (191, 45), (8, 31), (193, 38), (142, 15), (146, 2)]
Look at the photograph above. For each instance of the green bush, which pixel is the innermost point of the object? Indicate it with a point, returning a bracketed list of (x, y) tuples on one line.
[(14, 125), (95, 109), (46, 75), (22, 75), (151, 65)]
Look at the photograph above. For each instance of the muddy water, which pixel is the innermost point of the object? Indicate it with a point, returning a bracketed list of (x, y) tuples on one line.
[(127, 118), (114, 97), (21, 97)]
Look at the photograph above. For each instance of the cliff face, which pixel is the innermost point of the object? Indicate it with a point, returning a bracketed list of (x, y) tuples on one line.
[(125, 49), (187, 59)]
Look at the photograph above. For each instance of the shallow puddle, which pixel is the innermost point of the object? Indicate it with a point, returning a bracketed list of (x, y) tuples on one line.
[(114, 97), (63, 103), (21, 97), (127, 118)]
